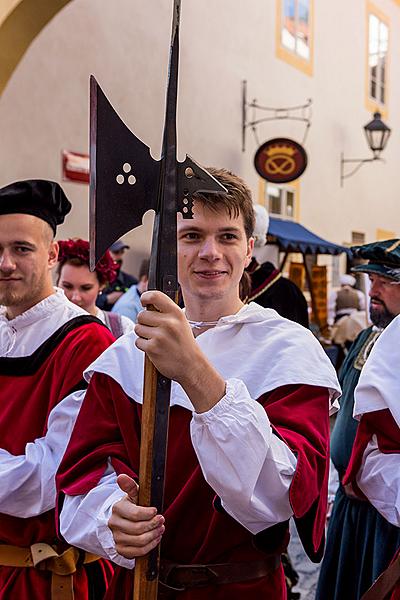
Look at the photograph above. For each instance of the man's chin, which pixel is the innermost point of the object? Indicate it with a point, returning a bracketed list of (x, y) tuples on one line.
[(381, 317), (9, 299)]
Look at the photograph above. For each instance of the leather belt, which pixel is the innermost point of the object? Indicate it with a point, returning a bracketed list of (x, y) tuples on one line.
[(385, 584), (175, 578), (45, 558)]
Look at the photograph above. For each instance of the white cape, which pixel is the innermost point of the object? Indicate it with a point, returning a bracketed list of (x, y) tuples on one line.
[(255, 345), (379, 384)]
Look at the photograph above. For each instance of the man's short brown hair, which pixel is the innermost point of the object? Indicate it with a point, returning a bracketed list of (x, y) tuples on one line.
[(237, 201)]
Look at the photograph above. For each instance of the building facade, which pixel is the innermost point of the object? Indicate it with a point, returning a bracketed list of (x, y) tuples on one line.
[(344, 56)]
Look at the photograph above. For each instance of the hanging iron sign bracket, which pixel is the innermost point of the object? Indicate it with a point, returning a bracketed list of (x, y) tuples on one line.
[(294, 113)]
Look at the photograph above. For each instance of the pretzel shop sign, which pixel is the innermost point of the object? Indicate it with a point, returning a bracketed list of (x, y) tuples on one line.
[(280, 160)]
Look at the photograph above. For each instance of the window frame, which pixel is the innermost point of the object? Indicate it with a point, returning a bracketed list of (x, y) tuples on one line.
[(292, 186), (287, 55), (373, 104)]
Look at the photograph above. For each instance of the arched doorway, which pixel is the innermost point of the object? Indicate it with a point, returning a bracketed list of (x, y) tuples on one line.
[(20, 22)]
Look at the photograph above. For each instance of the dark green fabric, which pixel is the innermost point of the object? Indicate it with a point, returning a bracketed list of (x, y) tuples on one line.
[(386, 252), (375, 269), (360, 545), (344, 432), (360, 542), (383, 256)]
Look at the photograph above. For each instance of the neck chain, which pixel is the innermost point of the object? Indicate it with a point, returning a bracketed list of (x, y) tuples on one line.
[(201, 324)]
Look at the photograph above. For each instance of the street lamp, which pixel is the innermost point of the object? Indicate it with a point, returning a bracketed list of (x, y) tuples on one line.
[(377, 134)]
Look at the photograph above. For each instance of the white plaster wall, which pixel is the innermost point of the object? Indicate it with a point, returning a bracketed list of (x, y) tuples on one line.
[(124, 43)]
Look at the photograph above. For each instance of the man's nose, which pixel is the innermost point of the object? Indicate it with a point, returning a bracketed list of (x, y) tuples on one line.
[(209, 249), (7, 264), (374, 290)]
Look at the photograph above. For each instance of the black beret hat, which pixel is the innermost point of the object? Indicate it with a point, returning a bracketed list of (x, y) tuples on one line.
[(383, 256), (38, 197)]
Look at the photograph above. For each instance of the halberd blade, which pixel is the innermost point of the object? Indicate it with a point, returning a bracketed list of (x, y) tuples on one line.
[(192, 179), (124, 178)]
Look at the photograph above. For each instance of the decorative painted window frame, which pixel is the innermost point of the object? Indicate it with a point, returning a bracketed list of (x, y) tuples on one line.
[(293, 185), (283, 53), (371, 104)]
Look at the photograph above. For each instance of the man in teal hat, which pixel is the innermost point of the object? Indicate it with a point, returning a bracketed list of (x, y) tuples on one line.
[(360, 541)]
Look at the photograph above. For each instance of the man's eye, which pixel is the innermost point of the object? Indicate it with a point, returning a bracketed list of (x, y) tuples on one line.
[(23, 249), (191, 235), (229, 236)]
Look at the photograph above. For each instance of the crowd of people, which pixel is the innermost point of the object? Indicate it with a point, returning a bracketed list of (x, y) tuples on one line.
[(252, 402)]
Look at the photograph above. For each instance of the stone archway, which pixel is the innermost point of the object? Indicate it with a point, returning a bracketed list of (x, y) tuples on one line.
[(20, 22)]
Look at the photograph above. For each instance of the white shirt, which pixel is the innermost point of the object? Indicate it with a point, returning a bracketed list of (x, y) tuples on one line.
[(27, 486), (24, 334), (255, 489), (379, 388)]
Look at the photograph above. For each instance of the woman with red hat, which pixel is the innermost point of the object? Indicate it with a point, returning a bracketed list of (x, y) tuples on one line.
[(82, 286)]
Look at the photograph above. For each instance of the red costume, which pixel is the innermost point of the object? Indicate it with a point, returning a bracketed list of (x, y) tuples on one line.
[(30, 388), (197, 529)]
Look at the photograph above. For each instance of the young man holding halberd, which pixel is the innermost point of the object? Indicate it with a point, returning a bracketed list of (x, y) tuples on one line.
[(249, 427)]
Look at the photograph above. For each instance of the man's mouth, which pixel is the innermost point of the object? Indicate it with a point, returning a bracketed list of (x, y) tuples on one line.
[(10, 279), (210, 274), (376, 302)]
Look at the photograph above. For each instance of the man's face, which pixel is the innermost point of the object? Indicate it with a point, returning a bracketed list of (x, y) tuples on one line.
[(213, 251), (385, 300), (117, 256), (27, 253)]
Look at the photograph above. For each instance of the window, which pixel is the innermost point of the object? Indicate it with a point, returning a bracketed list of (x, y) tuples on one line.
[(280, 201), (378, 46), (294, 33), (357, 238)]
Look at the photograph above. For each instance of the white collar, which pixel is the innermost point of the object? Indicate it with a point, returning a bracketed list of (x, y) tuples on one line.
[(42, 310), (267, 353), (248, 313)]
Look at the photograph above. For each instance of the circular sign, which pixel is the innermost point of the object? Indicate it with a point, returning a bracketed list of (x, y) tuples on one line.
[(280, 160)]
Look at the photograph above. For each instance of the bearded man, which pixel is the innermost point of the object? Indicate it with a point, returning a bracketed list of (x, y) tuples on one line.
[(360, 541)]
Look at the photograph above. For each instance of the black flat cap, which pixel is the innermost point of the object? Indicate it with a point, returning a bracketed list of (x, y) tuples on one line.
[(38, 197)]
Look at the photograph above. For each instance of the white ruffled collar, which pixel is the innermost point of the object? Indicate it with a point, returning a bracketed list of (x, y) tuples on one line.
[(41, 310), (248, 313)]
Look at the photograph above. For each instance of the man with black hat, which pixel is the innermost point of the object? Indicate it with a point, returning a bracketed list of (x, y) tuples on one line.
[(268, 287), (360, 542), (45, 344), (121, 284)]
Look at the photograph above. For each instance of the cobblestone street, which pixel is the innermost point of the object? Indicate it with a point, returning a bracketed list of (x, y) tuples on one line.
[(307, 570)]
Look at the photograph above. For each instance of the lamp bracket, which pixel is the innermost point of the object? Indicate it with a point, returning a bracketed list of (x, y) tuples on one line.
[(300, 112), (359, 162)]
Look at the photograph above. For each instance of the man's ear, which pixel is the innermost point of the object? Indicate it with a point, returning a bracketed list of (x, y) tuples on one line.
[(249, 253), (53, 254)]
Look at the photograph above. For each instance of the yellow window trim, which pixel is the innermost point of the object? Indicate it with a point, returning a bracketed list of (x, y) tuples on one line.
[(262, 183), (370, 104), (306, 66), (385, 234)]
